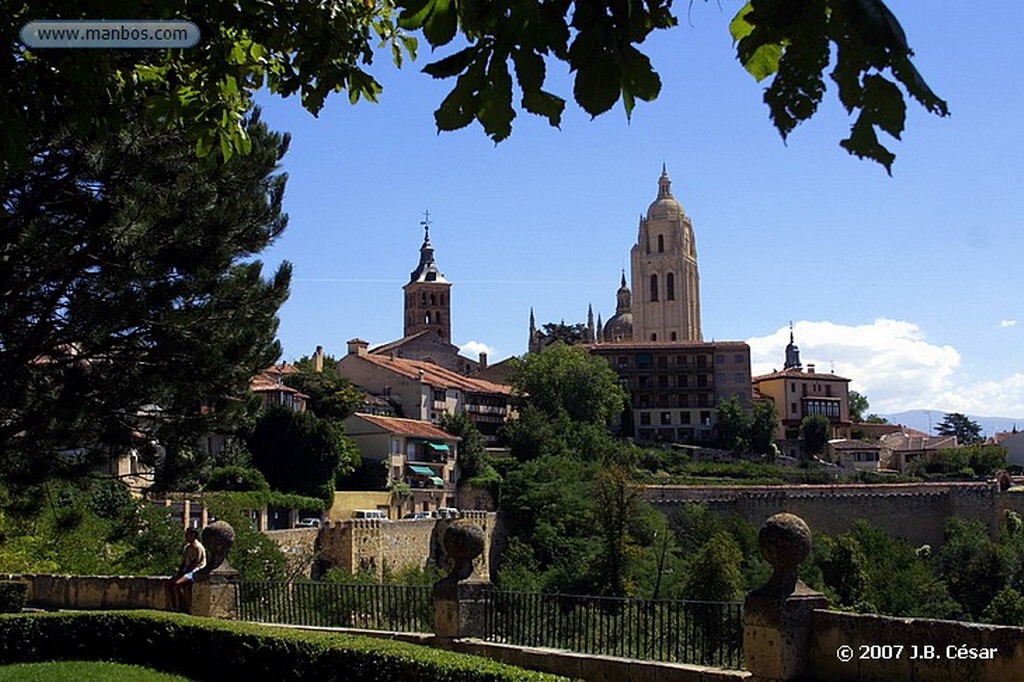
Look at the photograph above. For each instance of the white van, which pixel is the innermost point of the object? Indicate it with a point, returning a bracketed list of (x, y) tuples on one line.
[(369, 514)]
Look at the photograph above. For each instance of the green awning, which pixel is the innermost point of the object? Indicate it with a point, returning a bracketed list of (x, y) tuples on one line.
[(421, 470), (438, 446), (439, 482)]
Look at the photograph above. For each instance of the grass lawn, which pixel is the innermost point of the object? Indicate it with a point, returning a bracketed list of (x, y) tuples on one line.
[(76, 671)]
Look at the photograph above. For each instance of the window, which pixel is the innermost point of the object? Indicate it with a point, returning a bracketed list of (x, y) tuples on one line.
[(720, 359), (623, 361), (666, 418), (739, 377), (654, 288), (738, 358), (662, 381), (684, 417), (684, 400), (673, 336), (662, 361), (705, 418), (654, 336), (683, 360), (433, 299), (440, 395), (702, 380), (661, 243), (645, 419), (670, 287)]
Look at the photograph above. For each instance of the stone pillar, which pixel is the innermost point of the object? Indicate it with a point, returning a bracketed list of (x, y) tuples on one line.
[(215, 590), (460, 598), (777, 635)]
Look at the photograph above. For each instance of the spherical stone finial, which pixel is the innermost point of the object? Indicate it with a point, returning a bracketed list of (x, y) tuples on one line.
[(218, 537), (463, 541), (785, 541)]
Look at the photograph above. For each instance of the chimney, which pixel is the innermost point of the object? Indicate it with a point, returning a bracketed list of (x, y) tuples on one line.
[(357, 347), (318, 359), (810, 368), (483, 359)]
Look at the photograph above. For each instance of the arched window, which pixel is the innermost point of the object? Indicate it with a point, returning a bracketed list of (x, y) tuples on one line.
[(423, 300), (437, 317), (433, 299), (670, 287), (654, 287), (428, 318), (661, 243)]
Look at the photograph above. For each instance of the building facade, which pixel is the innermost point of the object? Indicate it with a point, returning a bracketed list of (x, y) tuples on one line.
[(423, 390), (675, 387), (665, 278), (416, 453), (799, 392)]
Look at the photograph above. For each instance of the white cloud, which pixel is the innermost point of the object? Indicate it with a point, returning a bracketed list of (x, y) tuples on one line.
[(894, 365), (472, 349), (1008, 323)]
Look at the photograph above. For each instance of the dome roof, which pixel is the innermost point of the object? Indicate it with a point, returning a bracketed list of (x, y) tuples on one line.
[(619, 328), (666, 205)]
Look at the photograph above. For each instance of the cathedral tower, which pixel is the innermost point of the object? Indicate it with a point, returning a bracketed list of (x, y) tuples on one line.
[(427, 295), (666, 283)]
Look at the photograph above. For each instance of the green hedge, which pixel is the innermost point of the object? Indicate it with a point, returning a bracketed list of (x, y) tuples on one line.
[(12, 595), (207, 649)]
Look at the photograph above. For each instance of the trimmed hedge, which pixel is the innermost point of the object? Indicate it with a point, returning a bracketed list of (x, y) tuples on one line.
[(12, 596), (208, 649)]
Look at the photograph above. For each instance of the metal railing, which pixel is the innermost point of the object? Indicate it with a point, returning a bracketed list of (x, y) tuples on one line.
[(397, 608), (697, 632)]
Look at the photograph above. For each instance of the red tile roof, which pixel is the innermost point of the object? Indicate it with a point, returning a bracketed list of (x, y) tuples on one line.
[(406, 427), (795, 373), (435, 375)]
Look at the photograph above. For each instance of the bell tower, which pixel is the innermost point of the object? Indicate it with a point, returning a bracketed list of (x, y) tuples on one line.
[(428, 294)]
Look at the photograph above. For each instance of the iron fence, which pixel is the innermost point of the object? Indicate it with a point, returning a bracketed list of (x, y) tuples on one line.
[(397, 608), (698, 632)]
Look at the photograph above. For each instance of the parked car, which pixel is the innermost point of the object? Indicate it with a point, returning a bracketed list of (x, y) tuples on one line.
[(308, 523), (447, 513), (417, 515), (370, 514)]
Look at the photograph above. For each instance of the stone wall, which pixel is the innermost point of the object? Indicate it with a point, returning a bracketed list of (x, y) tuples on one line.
[(299, 548), (884, 648), (915, 512), (93, 592), (370, 544)]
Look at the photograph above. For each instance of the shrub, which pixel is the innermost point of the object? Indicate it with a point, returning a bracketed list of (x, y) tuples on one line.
[(12, 596), (206, 649)]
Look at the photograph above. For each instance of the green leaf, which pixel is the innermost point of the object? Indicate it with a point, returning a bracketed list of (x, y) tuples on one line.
[(545, 104), (453, 64), (864, 144), (440, 26), (496, 112), (598, 85), (530, 70), (884, 105), (414, 13), (639, 78)]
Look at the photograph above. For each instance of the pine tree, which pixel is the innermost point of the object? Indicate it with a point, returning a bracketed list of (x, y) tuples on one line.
[(131, 309)]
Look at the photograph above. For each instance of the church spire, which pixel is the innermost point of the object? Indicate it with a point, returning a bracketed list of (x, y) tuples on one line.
[(792, 351), (664, 183)]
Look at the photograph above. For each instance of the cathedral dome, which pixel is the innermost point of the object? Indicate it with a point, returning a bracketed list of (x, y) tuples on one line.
[(666, 205), (619, 328)]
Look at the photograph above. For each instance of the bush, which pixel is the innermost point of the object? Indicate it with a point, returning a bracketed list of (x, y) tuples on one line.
[(206, 649), (12, 596)]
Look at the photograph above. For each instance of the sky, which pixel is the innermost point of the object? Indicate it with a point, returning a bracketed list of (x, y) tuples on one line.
[(909, 285)]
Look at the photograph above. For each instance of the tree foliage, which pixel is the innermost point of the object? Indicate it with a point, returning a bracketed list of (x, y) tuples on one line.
[(763, 425), (966, 430), (330, 396), (732, 425), (568, 380), (503, 54), (472, 447), (815, 430), (297, 452), (858, 406), (132, 311)]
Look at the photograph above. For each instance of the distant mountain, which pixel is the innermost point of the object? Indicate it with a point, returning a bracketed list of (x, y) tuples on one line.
[(925, 420)]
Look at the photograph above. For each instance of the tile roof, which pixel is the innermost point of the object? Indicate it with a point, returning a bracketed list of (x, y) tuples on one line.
[(666, 345), (386, 348), (435, 375), (796, 373), (406, 427)]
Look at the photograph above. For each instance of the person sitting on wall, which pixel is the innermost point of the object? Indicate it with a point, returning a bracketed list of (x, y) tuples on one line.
[(193, 559)]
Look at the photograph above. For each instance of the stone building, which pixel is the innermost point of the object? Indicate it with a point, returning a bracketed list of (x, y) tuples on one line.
[(675, 386), (422, 389), (798, 392), (415, 452)]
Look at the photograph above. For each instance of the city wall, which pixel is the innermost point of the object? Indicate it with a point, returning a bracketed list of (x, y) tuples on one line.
[(915, 512), (371, 544)]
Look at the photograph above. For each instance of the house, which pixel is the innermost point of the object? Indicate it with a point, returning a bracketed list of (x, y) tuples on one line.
[(675, 386), (416, 453), (799, 392), (420, 389), (858, 455), (270, 387), (899, 449), (1013, 441)]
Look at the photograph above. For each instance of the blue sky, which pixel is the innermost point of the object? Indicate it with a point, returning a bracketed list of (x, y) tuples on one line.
[(908, 285)]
